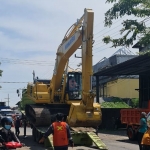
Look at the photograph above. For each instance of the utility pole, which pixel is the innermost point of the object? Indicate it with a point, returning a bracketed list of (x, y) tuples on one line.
[(8, 99)]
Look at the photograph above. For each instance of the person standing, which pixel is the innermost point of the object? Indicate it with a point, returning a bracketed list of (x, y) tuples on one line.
[(61, 134), (146, 137), (17, 126), (25, 126), (142, 128)]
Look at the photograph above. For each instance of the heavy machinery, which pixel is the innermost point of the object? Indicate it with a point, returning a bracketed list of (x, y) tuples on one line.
[(77, 104)]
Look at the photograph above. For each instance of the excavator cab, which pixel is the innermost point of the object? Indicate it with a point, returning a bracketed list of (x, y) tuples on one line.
[(74, 85)]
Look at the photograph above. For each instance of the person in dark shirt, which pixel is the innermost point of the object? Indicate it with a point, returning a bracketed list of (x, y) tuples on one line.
[(61, 134), (72, 84), (6, 134), (17, 126)]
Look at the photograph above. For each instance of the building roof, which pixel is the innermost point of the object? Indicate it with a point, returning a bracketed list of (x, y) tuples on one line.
[(139, 65)]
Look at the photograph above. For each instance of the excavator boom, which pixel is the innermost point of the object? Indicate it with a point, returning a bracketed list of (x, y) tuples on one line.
[(78, 103)]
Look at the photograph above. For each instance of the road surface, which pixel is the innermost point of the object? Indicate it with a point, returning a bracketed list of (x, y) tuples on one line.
[(114, 140)]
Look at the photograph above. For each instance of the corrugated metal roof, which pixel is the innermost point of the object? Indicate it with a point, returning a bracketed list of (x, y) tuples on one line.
[(139, 65)]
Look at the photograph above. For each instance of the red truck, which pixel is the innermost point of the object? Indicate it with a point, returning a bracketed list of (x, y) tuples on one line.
[(131, 117)]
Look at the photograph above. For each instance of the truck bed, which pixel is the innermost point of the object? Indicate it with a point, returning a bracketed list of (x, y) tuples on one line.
[(132, 116)]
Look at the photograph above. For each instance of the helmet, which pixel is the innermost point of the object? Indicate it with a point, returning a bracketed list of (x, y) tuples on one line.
[(59, 116), (6, 120)]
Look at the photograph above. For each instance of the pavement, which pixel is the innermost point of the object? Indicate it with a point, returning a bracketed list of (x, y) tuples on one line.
[(114, 140)]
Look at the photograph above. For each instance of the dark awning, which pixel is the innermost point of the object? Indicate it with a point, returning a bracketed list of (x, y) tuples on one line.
[(139, 65)]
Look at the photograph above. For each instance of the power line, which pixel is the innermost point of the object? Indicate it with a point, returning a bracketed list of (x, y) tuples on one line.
[(13, 82), (26, 60), (27, 63), (143, 20), (112, 28)]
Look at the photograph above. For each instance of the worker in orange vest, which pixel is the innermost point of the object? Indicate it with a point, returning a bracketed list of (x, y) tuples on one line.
[(61, 134)]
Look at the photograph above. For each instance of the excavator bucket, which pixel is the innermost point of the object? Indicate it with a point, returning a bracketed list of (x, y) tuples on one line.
[(79, 117)]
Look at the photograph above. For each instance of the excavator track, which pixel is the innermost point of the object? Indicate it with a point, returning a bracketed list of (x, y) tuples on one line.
[(44, 115), (38, 115)]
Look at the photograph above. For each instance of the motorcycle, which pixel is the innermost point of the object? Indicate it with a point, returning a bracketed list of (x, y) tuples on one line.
[(10, 145)]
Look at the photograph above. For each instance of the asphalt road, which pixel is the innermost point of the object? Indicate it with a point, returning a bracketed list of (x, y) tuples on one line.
[(114, 140)]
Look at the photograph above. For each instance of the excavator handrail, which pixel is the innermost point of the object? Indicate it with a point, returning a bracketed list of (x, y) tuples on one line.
[(70, 32)]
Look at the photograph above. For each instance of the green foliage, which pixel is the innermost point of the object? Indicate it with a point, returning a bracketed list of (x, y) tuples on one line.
[(138, 8), (25, 100), (117, 99), (135, 102), (115, 103)]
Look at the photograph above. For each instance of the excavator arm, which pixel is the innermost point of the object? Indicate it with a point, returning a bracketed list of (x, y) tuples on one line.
[(74, 38), (86, 113), (71, 42), (63, 55), (83, 111)]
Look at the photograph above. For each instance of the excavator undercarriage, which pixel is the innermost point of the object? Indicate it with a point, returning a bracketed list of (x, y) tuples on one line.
[(44, 114)]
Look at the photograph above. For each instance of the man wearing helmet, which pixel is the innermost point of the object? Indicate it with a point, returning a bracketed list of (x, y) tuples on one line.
[(6, 134), (61, 134)]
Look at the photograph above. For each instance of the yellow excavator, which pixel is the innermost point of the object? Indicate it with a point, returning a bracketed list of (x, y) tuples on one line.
[(77, 104)]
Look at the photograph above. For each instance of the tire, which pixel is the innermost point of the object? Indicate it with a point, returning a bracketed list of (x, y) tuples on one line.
[(131, 133)]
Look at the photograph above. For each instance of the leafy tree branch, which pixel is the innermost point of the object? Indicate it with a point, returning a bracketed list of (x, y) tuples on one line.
[(132, 29)]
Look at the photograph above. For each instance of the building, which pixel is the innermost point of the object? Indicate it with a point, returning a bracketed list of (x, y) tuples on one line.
[(144, 77), (123, 86)]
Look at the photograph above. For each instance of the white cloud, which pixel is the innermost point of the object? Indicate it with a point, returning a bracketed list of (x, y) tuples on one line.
[(33, 30)]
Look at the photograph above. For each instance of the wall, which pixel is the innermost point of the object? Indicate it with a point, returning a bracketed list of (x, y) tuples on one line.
[(123, 88)]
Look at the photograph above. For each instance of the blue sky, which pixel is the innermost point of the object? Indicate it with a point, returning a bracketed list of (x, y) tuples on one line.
[(31, 31)]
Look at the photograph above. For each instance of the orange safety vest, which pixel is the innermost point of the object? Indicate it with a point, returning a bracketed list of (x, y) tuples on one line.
[(60, 134), (146, 138)]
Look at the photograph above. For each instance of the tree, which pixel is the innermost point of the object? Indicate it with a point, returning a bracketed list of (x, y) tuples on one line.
[(132, 29), (0, 74)]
